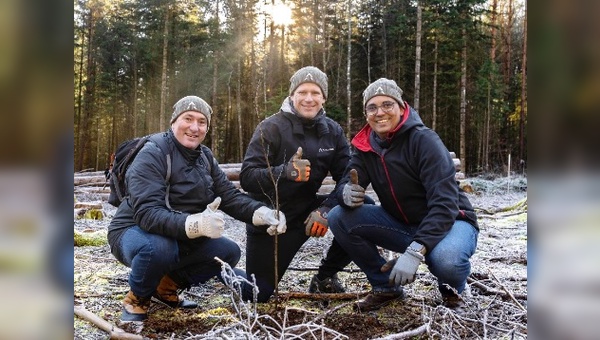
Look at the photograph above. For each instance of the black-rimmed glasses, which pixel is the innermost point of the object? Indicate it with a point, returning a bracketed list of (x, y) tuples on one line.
[(386, 107)]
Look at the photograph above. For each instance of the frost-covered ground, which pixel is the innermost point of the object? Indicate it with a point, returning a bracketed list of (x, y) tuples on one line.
[(500, 263)]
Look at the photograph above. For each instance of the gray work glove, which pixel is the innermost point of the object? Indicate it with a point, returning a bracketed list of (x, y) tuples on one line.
[(404, 267), (298, 169), (265, 216), (353, 194), (208, 223)]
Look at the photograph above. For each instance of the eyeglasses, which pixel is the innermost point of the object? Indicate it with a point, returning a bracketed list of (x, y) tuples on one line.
[(386, 107)]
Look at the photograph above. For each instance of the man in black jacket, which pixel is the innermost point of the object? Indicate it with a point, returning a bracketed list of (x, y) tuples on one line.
[(423, 215), (289, 155), (169, 233)]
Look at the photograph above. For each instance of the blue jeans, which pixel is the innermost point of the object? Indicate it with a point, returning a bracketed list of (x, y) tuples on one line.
[(361, 230), (151, 256)]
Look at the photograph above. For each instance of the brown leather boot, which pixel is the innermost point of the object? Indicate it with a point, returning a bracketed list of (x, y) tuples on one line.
[(166, 293), (376, 300), (135, 308)]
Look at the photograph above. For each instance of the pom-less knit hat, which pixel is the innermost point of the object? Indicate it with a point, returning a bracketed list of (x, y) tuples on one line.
[(383, 87), (309, 74), (191, 103)]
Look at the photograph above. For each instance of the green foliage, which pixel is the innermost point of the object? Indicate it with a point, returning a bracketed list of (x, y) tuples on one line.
[(238, 61)]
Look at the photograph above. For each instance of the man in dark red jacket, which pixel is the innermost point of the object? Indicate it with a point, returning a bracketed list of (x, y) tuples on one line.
[(423, 214)]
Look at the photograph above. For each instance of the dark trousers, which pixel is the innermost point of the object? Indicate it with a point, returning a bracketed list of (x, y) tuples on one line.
[(260, 257)]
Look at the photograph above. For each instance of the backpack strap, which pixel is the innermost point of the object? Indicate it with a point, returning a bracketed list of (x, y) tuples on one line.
[(205, 160), (159, 139)]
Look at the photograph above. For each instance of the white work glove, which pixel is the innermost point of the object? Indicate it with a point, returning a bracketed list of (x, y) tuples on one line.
[(353, 194), (265, 216), (208, 223)]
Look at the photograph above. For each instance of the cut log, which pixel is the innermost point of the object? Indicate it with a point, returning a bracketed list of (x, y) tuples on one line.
[(114, 331), (94, 181)]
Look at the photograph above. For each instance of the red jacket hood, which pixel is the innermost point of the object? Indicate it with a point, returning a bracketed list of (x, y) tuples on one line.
[(361, 140)]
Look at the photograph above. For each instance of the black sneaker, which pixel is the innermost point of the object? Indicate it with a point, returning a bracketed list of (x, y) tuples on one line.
[(327, 285), (376, 300)]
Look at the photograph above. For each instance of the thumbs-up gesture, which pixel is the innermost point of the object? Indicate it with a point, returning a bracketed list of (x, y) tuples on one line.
[(208, 223), (298, 169), (353, 194)]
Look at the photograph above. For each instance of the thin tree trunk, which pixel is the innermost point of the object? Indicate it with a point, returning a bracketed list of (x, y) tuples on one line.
[(369, 55), (523, 91), (508, 53), (163, 84), (80, 96), (238, 107), (418, 59), (214, 138), (348, 67), (89, 95), (463, 101), (435, 75), (488, 113), (135, 98)]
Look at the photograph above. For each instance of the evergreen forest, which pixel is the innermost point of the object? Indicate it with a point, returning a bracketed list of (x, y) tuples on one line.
[(461, 63)]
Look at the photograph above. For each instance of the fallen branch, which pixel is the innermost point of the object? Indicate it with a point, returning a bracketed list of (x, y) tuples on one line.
[(321, 296), (487, 290), (114, 331), (407, 334), (510, 294)]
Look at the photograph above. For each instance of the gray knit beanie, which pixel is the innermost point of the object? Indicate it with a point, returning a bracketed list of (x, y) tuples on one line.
[(191, 103), (309, 74), (383, 87)]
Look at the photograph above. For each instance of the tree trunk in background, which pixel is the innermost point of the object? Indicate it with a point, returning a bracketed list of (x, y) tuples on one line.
[(523, 91), (79, 101), (488, 112), (418, 59), (435, 85), (88, 97), (508, 53), (463, 101), (214, 138), (348, 78), (134, 105), (163, 82), (238, 108)]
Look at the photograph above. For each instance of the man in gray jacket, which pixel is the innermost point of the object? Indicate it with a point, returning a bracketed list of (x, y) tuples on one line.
[(169, 233)]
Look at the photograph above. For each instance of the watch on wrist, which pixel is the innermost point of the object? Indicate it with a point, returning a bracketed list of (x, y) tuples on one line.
[(418, 248)]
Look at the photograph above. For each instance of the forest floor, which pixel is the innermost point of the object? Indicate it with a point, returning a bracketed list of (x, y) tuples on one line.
[(496, 295)]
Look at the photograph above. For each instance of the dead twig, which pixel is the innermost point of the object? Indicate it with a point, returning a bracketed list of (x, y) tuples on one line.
[(510, 294), (407, 334), (487, 290), (322, 296)]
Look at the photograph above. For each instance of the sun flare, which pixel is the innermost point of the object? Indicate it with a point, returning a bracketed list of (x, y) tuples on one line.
[(281, 14)]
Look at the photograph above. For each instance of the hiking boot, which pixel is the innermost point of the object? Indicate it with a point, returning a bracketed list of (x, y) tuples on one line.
[(135, 308), (376, 300), (455, 303), (327, 285), (166, 293)]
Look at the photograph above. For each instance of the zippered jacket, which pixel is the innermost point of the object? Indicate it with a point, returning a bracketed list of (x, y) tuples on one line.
[(413, 175), (275, 140), (192, 186)]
